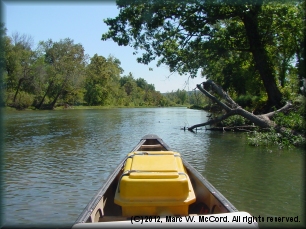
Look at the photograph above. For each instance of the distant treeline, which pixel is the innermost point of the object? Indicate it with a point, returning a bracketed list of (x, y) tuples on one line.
[(60, 73)]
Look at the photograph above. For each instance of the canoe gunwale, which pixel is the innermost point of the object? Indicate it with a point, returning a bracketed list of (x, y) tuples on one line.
[(86, 213), (225, 202), (97, 198)]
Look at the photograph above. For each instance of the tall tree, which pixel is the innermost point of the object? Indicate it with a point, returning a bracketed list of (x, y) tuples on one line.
[(2, 65), (19, 64), (102, 79), (128, 83), (185, 34), (65, 67)]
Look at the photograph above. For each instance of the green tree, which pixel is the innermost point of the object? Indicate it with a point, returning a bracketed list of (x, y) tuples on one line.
[(19, 60), (142, 83), (40, 78), (185, 34), (182, 96), (2, 66), (286, 23), (197, 98), (128, 83), (102, 79), (20, 69), (65, 68)]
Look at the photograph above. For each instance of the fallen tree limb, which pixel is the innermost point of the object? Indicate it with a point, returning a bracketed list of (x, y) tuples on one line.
[(232, 108)]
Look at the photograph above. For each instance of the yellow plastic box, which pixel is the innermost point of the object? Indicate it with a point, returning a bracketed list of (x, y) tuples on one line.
[(154, 183)]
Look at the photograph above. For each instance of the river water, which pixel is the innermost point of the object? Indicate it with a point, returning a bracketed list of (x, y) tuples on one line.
[(55, 161)]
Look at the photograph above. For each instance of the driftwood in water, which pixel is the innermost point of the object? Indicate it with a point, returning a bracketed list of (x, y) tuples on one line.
[(230, 108)]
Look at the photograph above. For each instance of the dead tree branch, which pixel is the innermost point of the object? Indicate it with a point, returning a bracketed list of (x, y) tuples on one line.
[(233, 108)]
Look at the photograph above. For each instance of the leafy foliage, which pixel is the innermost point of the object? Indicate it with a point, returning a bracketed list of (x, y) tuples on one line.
[(102, 75), (58, 73), (235, 120), (286, 139), (244, 46), (182, 97), (292, 120)]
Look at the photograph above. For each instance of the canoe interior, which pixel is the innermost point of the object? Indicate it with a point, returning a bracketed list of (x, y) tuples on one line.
[(103, 209)]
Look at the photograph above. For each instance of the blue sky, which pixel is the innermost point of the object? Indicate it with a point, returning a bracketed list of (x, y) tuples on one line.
[(82, 21)]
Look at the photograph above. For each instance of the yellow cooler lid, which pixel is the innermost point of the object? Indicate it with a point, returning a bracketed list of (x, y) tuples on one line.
[(154, 166)]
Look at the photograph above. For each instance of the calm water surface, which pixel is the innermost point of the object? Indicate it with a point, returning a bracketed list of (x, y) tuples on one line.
[(55, 161)]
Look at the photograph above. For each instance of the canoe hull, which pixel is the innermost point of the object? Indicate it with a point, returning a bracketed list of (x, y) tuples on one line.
[(102, 207)]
